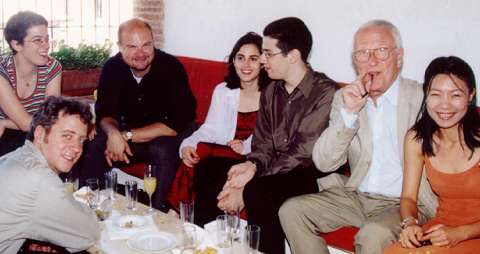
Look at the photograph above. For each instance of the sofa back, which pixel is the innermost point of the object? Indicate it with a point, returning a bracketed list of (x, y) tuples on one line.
[(204, 76)]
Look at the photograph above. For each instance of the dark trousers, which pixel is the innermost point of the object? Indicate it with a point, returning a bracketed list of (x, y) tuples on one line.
[(208, 180), (162, 152), (11, 140), (263, 197)]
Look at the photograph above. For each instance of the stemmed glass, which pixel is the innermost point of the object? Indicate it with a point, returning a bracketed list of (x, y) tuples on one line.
[(150, 183)]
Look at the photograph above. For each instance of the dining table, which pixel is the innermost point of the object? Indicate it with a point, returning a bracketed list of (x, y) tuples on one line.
[(118, 238)]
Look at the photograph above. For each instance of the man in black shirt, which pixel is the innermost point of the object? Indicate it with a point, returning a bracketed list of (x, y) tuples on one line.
[(145, 108)]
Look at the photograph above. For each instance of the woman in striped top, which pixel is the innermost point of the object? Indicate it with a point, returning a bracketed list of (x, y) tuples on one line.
[(27, 76)]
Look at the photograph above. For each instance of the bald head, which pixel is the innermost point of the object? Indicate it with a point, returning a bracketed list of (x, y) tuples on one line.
[(132, 25)]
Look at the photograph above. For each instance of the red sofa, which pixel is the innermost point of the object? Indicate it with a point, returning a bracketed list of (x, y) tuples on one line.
[(203, 76)]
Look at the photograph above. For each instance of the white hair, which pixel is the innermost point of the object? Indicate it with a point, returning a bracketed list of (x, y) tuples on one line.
[(382, 23)]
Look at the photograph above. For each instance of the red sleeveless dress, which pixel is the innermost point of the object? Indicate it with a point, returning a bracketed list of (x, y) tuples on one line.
[(458, 204), (182, 186)]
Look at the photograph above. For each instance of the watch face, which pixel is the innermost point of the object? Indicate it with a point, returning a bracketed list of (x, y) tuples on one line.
[(129, 135)]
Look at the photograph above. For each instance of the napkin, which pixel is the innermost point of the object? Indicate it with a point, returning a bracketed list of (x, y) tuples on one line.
[(81, 195)]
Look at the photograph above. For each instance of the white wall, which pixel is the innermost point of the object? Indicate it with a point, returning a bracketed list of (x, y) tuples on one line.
[(430, 28)]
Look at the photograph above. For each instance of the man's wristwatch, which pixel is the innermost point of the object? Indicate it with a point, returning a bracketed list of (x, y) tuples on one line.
[(127, 135), (408, 221)]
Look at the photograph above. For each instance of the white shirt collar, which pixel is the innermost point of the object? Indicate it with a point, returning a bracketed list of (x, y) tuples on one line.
[(138, 79)]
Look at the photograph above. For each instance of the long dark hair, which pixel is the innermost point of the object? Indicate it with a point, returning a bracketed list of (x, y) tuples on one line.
[(425, 127), (232, 79)]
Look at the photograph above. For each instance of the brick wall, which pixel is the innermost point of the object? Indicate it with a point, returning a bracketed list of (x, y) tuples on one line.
[(152, 11)]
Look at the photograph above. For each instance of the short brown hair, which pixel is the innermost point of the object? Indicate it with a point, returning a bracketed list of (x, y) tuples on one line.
[(18, 24)]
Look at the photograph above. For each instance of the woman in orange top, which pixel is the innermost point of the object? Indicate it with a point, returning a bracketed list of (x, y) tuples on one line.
[(446, 140)]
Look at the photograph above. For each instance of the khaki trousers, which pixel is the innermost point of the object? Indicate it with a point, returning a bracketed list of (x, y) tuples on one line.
[(304, 217)]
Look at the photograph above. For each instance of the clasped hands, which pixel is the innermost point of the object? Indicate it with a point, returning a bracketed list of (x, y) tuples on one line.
[(438, 235), (231, 197), (117, 148)]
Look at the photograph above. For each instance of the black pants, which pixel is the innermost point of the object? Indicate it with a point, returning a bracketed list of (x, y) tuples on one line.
[(11, 140), (208, 180), (263, 197), (162, 152)]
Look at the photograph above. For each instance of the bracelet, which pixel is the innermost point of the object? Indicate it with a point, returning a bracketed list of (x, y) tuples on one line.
[(407, 222)]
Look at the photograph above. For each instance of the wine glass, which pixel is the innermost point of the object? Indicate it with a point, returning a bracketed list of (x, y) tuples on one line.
[(150, 184)]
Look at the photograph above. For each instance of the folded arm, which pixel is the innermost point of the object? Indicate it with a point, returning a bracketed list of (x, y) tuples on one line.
[(150, 132), (13, 109)]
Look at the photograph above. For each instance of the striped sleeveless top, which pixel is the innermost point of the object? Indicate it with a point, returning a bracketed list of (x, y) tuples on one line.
[(45, 74)]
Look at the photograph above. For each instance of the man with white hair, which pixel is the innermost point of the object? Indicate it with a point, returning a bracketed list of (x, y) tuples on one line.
[(367, 125)]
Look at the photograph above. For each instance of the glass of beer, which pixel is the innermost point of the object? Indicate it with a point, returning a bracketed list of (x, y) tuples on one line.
[(150, 183), (70, 184)]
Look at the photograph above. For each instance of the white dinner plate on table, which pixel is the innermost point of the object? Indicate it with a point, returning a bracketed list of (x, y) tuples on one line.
[(130, 222), (152, 242)]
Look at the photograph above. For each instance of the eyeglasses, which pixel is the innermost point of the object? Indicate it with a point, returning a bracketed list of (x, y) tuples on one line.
[(39, 41), (269, 54), (381, 54)]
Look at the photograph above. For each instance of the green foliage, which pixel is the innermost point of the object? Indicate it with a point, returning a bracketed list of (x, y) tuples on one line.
[(82, 57)]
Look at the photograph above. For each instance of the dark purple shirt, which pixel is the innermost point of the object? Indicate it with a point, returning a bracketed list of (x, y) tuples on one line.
[(289, 124)]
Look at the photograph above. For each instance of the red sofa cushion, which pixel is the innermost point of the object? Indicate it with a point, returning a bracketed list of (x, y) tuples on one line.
[(341, 238)]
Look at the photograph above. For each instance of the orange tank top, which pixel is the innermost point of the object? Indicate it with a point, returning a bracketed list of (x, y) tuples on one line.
[(458, 195)]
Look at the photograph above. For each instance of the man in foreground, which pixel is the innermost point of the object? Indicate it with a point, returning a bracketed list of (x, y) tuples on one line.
[(35, 203)]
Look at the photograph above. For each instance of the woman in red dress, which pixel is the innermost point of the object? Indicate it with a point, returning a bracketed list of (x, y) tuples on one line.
[(446, 141), (226, 135)]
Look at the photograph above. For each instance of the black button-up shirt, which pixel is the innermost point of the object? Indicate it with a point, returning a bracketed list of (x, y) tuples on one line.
[(289, 124), (163, 95)]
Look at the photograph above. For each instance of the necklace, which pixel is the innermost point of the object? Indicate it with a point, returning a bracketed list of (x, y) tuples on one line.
[(32, 81)]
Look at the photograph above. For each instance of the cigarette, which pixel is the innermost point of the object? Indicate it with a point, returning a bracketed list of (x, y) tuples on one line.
[(370, 75)]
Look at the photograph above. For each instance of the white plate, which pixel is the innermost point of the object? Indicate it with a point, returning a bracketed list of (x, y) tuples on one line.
[(130, 222), (151, 242)]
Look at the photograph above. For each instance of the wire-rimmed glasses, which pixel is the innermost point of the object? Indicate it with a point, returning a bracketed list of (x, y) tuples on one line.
[(382, 54)]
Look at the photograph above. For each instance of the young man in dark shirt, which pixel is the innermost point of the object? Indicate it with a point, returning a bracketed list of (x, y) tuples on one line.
[(293, 112), (144, 110)]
